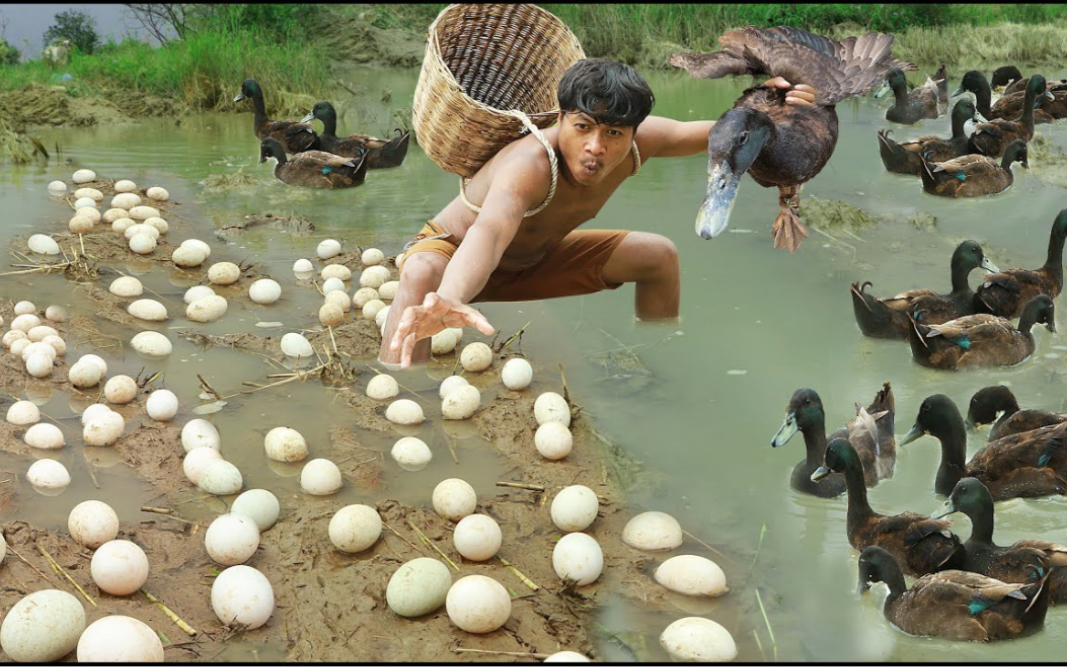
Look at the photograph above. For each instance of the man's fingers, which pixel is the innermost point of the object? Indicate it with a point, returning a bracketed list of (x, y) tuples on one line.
[(405, 355), (477, 320), (777, 82), (407, 323)]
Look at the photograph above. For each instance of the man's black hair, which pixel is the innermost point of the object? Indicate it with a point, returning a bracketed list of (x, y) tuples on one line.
[(610, 92)]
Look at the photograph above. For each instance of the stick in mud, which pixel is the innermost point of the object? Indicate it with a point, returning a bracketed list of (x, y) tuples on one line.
[(186, 628), (522, 485), (426, 540), (59, 570), (32, 567), (460, 649), (406, 541), (522, 577)]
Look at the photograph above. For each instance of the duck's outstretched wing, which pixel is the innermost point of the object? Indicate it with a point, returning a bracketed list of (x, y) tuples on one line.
[(836, 69)]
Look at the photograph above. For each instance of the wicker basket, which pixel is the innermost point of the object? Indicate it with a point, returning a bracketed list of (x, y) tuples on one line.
[(483, 62)]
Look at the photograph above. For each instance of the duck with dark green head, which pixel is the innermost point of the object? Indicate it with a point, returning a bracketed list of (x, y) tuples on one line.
[(889, 317), (909, 107), (988, 402), (780, 145), (381, 153), (907, 157), (314, 169), (981, 341), (1024, 562), (1004, 76), (958, 605), (922, 544), (294, 136), (974, 175), (1006, 293), (993, 138), (1025, 465), (876, 446)]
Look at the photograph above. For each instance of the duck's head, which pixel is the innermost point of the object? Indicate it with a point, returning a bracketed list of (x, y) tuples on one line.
[(987, 403), (964, 110), (734, 143), (894, 79), (938, 416), (804, 410), (840, 456), (1059, 225), (321, 110), (271, 147), (1005, 75), (248, 89), (1036, 90), (969, 255), (972, 82), (968, 496), (1016, 152), (874, 565), (1039, 310)]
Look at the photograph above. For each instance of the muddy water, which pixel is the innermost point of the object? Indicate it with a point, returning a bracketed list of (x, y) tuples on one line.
[(696, 401)]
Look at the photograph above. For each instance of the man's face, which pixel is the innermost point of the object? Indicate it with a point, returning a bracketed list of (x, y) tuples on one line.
[(592, 150)]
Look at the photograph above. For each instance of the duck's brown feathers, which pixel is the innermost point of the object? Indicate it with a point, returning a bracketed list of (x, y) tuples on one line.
[(920, 544), (993, 341), (306, 169), (1028, 464), (1007, 293), (982, 176), (1023, 421)]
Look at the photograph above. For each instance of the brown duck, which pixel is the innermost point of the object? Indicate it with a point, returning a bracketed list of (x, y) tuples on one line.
[(923, 545), (954, 604), (988, 402), (907, 157), (1005, 77), (973, 175), (294, 136), (381, 153), (1024, 465), (976, 83), (994, 137), (1024, 562), (889, 317), (910, 107), (314, 169), (1005, 293), (780, 145)]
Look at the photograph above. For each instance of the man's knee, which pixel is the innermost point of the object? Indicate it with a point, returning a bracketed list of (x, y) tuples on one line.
[(659, 256)]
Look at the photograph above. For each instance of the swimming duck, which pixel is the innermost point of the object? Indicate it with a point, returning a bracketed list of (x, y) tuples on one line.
[(974, 175), (1046, 108), (907, 157), (294, 136), (1004, 293), (964, 606), (992, 138), (979, 341), (1025, 465), (922, 544), (989, 401), (314, 169), (871, 434), (976, 83), (381, 153), (888, 318), (1022, 563), (778, 144), (912, 107), (1005, 76), (941, 81)]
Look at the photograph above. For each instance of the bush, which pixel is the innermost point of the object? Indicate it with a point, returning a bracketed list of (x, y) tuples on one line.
[(78, 27), (9, 55)]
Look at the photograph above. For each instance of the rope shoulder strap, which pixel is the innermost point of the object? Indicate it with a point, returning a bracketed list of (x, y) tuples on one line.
[(553, 162)]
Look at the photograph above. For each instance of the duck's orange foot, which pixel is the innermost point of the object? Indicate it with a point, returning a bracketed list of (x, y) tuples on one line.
[(788, 231)]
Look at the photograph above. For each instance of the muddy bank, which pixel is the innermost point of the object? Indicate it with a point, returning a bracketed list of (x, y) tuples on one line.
[(36, 104)]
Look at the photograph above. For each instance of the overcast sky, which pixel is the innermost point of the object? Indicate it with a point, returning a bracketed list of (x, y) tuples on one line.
[(28, 23)]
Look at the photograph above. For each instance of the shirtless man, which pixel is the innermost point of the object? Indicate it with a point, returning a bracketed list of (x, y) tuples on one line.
[(603, 134)]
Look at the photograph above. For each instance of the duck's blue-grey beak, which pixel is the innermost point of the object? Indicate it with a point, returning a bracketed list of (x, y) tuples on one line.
[(915, 433), (821, 473), (787, 430), (958, 91), (240, 96), (863, 588), (882, 90), (988, 265), (979, 118), (308, 118), (719, 200), (970, 426), (947, 507)]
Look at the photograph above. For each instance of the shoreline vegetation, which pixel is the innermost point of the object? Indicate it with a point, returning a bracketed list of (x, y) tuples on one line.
[(292, 50)]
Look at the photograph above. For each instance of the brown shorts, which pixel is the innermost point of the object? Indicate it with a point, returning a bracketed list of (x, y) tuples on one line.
[(572, 268)]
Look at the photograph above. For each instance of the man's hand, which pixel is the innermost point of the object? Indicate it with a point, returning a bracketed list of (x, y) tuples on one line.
[(802, 94), (435, 314)]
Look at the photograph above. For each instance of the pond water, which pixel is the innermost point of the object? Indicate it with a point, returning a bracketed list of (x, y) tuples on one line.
[(697, 401)]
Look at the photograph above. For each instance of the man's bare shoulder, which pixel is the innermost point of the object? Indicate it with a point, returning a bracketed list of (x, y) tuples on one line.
[(527, 155)]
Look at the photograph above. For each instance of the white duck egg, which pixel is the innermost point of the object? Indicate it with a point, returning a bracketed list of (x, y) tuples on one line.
[(120, 389), (320, 477), (126, 200), (221, 478), (551, 407), (158, 224), (696, 639), (94, 411), (157, 193), (39, 347), (653, 531), (119, 639), (418, 587), (23, 413), (328, 248), (372, 308), (126, 286), (454, 499), (39, 365), (363, 296), (411, 454), (478, 604), (476, 357), (84, 202), (477, 537), (139, 228), (372, 257), (232, 539), (144, 212), (188, 257), (142, 243), (339, 299), (42, 627), (566, 656), (119, 567), (104, 430), (111, 215), (200, 433), (517, 374), (303, 266), (25, 322), (692, 575), (92, 523), (44, 436), (241, 595), (20, 346), (57, 187), (57, 344), (265, 291), (333, 285), (461, 403), (259, 505), (339, 271), (125, 185), (374, 276), (48, 474), (91, 193), (84, 176), (149, 310), (151, 344), (285, 444), (388, 290), (197, 292), (56, 313), (197, 461), (14, 335), (355, 528), (162, 405), (43, 245), (91, 213), (120, 225), (295, 345), (574, 508), (197, 243), (382, 387), (207, 309), (553, 440), (80, 224), (224, 273), (331, 315), (381, 318), (404, 412), (578, 557), (452, 382), (40, 332)]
